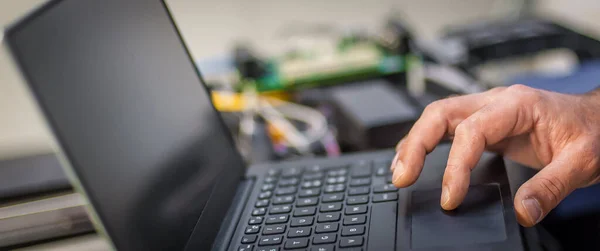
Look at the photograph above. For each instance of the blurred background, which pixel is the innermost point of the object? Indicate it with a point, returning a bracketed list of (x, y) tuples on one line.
[(311, 78), (272, 28)]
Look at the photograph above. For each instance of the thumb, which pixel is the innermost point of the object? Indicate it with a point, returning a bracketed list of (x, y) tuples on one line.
[(536, 197)]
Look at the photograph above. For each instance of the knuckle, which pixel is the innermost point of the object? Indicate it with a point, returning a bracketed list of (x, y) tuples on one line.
[(436, 108), (526, 94), (519, 88), (435, 105), (553, 189), (467, 127), (497, 89)]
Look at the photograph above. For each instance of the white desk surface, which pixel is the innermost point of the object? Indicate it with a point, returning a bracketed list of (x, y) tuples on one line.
[(212, 33)]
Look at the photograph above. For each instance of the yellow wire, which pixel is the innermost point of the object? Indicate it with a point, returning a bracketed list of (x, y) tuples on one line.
[(225, 101)]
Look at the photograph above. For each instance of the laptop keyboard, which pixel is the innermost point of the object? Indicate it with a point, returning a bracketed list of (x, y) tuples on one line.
[(320, 209)]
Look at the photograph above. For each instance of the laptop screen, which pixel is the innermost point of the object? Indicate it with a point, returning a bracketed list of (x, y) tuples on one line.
[(136, 124)]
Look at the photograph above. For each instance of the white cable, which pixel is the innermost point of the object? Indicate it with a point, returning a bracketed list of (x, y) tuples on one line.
[(278, 113), (291, 134), (317, 123)]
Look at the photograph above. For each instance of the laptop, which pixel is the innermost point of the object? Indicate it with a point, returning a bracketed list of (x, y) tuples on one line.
[(140, 139)]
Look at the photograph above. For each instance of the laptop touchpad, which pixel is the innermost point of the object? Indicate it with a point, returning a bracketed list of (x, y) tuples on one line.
[(478, 220)]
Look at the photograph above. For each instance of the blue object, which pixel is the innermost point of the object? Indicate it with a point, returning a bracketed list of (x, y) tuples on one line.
[(583, 201), (584, 79)]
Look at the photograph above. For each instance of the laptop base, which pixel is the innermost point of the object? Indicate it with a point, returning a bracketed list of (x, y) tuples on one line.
[(349, 203)]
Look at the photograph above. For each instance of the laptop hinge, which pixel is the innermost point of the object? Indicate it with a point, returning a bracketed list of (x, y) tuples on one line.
[(234, 213)]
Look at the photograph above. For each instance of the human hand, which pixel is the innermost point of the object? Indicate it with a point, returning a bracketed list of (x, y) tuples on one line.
[(556, 133)]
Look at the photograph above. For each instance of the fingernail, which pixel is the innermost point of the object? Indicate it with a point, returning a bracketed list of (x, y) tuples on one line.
[(398, 171), (445, 196), (533, 208), (394, 161)]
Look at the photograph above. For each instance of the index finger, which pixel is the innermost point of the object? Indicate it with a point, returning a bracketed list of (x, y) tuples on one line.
[(438, 119)]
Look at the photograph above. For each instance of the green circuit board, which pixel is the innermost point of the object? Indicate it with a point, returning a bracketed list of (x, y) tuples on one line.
[(347, 62)]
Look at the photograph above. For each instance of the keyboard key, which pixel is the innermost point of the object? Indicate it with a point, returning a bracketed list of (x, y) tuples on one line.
[(383, 163), (333, 197), (245, 248), (277, 219), (356, 200), (361, 209), (354, 220), (312, 184), (385, 188), (328, 217), (324, 238), (283, 200), (335, 188), (332, 207), (353, 249), (296, 243), (248, 239), (337, 172), (323, 248), (259, 211), (336, 180), (359, 190), (383, 170), (385, 197), (360, 182), (353, 230), (273, 172), (270, 179), (267, 187), (360, 170), (252, 230), (285, 191), (290, 172), (307, 202), (265, 195), (276, 229), (312, 176), (299, 232), (302, 221), (270, 240), (309, 192), (388, 179), (305, 211), (280, 209), (351, 241), (262, 203), (255, 220), (314, 169), (289, 182), (327, 228), (267, 249)]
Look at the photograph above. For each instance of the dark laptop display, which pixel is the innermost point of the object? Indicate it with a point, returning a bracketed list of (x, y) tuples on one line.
[(133, 118)]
